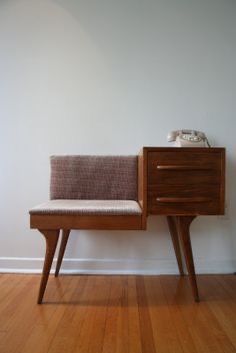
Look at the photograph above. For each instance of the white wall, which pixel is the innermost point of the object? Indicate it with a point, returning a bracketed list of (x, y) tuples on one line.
[(108, 77)]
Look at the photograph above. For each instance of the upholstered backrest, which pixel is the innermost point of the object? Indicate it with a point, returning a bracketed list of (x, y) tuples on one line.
[(94, 177)]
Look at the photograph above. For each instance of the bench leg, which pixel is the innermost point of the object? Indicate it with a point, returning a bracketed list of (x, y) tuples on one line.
[(175, 239), (183, 228), (51, 237), (64, 239)]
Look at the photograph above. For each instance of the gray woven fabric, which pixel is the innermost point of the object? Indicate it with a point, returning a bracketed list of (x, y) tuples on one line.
[(94, 177), (88, 207)]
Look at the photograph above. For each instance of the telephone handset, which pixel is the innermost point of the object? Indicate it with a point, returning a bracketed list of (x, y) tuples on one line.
[(188, 138)]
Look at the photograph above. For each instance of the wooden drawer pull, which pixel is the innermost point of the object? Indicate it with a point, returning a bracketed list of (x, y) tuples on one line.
[(182, 167), (183, 199)]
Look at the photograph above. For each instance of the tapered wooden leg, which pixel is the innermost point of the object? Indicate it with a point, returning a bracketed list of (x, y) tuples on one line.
[(175, 239), (183, 228), (51, 237), (64, 239)]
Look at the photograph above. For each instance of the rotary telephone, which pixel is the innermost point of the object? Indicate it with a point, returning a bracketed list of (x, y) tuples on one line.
[(188, 138)]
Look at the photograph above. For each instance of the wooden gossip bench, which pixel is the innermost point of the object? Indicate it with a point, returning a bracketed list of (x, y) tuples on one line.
[(119, 192)]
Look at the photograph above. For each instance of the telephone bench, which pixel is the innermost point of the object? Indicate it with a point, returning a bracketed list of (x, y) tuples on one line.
[(119, 192)]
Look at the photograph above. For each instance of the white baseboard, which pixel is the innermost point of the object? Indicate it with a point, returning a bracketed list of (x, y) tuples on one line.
[(114, 266)]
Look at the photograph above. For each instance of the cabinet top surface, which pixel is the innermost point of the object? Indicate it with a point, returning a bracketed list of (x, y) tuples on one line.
[(184, 149)]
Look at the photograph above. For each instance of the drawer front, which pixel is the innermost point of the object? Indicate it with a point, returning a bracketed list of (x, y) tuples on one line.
[(188, 206), (184, 177), (194, 159), (184, 183), (175, 199)]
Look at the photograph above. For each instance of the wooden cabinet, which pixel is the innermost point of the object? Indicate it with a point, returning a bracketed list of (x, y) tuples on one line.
[(187, 181), (182, 183)]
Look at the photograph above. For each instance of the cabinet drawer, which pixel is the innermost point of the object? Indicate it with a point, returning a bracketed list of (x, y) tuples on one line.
[(177, 176), (184, 168), (191, 159), (182, 199), (194, 190), (185, 181), (183, 206)]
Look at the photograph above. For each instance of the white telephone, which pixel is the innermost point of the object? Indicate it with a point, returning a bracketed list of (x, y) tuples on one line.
[(188, 138)]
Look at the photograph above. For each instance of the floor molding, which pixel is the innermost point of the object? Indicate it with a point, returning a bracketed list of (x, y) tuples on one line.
[(113, 266)]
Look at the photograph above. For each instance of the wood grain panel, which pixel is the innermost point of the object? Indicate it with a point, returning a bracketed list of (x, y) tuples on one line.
[(184, 208), (182, 177), (203, 158), (85, 222), (185, 180), (194, 190)]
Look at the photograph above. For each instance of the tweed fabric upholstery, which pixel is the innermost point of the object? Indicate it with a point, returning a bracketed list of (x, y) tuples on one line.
[(88, 207), (94, 177)]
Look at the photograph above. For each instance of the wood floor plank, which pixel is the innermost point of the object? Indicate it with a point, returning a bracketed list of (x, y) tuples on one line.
[(102, 289), (2, 335), (229, 284), (110, 333), (10, 308), (171, 286), (203, 327), (4, 279), (12, 290), (135, 344), (122, 324), (21, 321), (165, 335), (128, 314), (46, 327), (84, 342), (222, 306), (146, 329), (70, 325)]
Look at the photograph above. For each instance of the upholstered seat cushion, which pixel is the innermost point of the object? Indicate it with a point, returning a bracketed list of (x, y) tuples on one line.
[(88, 207)]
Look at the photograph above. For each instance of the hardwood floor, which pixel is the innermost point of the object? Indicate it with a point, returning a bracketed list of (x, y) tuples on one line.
[(117, 314)]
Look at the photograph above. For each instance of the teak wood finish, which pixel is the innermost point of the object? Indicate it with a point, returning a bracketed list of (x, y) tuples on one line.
[(172, 223), (64, 240), (51, 237), (180, 183), (183, 183)]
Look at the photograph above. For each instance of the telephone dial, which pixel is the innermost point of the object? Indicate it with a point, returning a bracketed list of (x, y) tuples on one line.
[(188, 138)]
